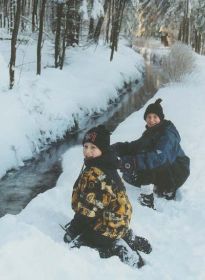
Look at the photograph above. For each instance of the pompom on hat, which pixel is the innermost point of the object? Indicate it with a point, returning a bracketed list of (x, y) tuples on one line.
[(99, 136), (155, 108)]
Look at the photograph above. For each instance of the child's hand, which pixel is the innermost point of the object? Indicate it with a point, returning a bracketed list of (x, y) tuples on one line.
[(115, 148)]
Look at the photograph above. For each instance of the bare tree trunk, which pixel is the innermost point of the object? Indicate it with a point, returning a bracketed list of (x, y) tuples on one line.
[(58, 33), (198, 43), (91, 24), (100, 22), (184, 26), (108, 22), (13, 44), (77, 20), (186, 31), (40, 35), (117, 14), (62, 57), (187, 23), (23, 7), (1, 14), (34, 14), (202, 45), (195, 40), (183, 29), (4, 9), (120, 17), (52, 17), (112, 35), (73, 18), (70, 18), (91, 28), (180, 32), (11, 15)]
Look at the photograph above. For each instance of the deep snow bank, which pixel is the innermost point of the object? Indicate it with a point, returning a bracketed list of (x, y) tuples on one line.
[(31, 243), (40, 109)]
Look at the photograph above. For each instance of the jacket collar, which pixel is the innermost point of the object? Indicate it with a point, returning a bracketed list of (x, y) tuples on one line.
[(158, 126), (105, 161)]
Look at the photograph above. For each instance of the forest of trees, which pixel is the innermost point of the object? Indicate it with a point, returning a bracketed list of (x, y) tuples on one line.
[(67, 23), (184, 20)]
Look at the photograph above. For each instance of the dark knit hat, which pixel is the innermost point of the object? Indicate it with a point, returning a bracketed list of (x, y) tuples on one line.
[(99, 136), (155, 108)]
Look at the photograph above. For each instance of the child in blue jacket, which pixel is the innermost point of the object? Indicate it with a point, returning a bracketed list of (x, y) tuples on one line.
[(156, 157)]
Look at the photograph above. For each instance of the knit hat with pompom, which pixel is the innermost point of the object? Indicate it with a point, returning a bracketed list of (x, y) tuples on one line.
[(155, 108)]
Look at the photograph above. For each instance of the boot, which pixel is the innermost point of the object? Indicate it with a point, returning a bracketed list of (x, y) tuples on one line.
[(70, 234), (121, 249), (147, 200), (164, 192), (137, 243), (169, 195)]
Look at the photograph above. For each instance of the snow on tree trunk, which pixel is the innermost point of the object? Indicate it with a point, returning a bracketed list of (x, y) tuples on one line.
[(100, 22)]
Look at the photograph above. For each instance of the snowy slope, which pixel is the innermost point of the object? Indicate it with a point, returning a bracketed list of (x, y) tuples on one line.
[(31, 245), (40, 109)]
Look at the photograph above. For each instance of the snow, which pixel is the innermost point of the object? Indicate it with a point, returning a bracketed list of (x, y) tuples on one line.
[(31, 245), (42, 108), (83, 10), (97, 10)]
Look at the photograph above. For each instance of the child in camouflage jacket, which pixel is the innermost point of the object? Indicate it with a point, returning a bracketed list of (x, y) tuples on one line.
[(102, 208)]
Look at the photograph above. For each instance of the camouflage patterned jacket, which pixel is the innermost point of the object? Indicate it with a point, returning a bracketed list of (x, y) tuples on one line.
[(99, 195)]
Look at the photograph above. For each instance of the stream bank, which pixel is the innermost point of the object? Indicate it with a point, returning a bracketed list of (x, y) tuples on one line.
[(19, 187)]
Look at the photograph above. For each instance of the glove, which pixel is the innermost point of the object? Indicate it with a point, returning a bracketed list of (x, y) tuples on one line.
[(128, 164), (131, 179), (129, 170), (116, 148)]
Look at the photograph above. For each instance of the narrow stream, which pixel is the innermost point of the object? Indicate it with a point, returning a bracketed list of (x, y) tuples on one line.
[(19, 187)]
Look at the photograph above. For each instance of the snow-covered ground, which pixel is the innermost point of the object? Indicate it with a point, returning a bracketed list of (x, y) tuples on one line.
[(40, 109), (31, 245)]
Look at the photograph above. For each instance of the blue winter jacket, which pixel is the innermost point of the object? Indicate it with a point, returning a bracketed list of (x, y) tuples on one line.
[(157, 156), (158, 145)]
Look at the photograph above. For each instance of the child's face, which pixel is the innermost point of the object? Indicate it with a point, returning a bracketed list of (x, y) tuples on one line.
[(152, 119), (91, 151)]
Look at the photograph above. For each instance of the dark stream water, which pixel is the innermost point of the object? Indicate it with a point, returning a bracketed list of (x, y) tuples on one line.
[(19, 187)]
